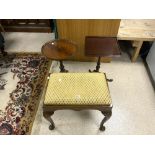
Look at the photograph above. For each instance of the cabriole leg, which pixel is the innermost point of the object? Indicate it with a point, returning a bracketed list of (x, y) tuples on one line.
[(107, 115), (47, 116)]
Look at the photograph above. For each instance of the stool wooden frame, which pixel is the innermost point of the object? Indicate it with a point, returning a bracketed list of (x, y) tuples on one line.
[(106, 110), (49, 110)]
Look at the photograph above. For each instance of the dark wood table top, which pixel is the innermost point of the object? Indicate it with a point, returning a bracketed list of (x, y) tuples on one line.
[(101, 46), (59, 49)]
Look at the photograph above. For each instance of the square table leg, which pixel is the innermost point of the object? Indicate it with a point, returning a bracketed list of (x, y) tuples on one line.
[(136, 51)]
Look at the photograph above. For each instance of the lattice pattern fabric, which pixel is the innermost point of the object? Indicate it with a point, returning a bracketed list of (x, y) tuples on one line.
[(77, 89)]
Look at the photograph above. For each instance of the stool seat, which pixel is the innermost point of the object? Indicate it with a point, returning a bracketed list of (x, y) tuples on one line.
[(77, 89)]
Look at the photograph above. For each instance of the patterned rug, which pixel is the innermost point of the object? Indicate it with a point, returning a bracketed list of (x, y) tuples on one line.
[(22, 79)]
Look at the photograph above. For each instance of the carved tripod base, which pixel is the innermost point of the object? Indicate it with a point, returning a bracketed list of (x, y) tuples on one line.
[(47, 116), (107, 115), (62, 67), (97, 66)]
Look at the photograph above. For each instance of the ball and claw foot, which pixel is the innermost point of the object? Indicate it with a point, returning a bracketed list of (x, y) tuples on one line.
[(94, 71), (102, 128), (110, 80), (64, 71), (51, 127), (47, 116)]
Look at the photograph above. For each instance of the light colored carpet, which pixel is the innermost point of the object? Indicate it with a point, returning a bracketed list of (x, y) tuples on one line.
[(25, 42), (133, 102)]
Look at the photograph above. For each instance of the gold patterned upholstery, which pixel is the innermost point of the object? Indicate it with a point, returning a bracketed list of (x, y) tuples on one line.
[(77, 89)]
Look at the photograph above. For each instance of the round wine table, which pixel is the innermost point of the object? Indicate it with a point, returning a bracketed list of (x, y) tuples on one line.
[(59, 49)]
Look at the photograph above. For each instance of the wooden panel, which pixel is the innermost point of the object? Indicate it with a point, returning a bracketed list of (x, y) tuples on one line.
[(77, 29), (137, 29)]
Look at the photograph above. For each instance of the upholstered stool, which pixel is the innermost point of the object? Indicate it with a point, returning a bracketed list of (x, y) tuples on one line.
[(77, 91)]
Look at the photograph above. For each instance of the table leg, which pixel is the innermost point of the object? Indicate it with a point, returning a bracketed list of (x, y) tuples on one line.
[(2, 41), (3, 51), (62, 67), (136, 51), (107, 115), (47, 116), (98, 65)]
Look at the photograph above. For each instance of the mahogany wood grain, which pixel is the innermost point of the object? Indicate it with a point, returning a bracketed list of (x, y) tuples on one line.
[(58, 49), (101, 46)]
